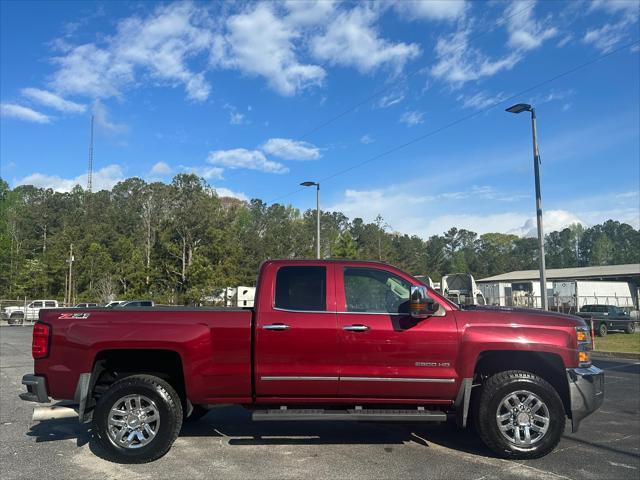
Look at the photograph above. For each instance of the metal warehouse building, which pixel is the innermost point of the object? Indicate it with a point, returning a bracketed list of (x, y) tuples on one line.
[(623, 273), (505, 284)]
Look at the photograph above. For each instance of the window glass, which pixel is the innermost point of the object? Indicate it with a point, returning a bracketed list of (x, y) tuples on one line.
[(49, 304), (36, 305), (375, 291), (301, 288)]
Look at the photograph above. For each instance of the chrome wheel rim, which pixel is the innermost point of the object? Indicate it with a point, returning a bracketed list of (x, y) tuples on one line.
[(523, 418), (133, 421)]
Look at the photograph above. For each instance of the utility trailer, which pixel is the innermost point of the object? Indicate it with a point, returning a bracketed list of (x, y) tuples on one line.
[(570, 296)]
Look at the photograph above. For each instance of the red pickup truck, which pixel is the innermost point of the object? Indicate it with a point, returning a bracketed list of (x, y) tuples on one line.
[(327, 340)]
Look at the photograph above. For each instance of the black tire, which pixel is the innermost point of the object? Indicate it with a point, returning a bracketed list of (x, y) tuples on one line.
[(169, 408), (494, 390), (196, 414), (602, 329), (630, 328)]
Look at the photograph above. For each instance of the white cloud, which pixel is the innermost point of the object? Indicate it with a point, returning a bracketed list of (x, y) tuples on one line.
[(525, 32), (367, 139), (552, 220), (225, 192), (160, 168), (458, 62), (607, 37), (52, 100), (243, 158), (351, 39), (289, 149), (102, 179), (12, 110), (431, 9), (629, 8), (390, 99), (235, 117), (260, 43), (412, 118), (208, 173), (103, 121), (309, 12), (161, 44), (481, 100)]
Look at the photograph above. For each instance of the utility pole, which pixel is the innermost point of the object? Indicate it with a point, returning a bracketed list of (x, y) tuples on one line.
[(70, 285), (317, 185), (90, 170)]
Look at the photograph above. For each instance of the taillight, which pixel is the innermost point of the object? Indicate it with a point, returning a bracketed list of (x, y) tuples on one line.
[(40, 341)]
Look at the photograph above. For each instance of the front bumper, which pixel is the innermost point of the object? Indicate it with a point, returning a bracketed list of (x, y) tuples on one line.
[(586, 390), (36, 389)]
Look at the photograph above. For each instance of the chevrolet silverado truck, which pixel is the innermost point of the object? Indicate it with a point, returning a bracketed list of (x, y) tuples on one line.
[(325, 341)]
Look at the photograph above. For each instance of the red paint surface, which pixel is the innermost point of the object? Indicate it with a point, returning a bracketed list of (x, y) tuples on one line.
[(216, 347)]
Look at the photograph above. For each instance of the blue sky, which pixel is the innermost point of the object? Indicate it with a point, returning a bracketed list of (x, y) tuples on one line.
[(241, 94)]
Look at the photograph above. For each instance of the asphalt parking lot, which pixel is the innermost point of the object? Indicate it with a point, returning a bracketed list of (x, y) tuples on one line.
[(227, 444)]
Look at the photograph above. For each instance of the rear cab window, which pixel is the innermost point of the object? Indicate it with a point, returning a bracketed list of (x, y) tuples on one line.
[(302, 288)]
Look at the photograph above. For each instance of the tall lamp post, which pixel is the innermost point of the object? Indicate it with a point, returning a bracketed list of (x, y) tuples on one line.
[(519, 108), (317, 185)]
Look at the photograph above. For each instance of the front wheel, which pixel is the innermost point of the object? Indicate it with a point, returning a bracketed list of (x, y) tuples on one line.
[(137, 419), (520, 415), (631, 327), (602, 330)]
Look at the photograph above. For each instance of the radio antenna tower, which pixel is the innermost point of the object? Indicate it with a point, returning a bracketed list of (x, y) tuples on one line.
[(90, 173)]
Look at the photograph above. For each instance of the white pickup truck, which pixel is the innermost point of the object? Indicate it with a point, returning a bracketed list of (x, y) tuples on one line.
[(18, 314)]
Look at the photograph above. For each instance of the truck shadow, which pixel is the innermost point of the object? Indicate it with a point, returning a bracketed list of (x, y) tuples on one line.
[(235, 424), (60, 429)]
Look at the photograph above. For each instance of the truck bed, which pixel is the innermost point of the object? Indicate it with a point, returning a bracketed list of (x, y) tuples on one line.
[(214, 345)]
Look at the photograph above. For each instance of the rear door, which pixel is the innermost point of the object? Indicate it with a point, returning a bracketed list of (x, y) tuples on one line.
[(385, 352), (296, 342)]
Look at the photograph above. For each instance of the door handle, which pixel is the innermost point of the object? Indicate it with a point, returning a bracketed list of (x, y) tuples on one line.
[(356, 328), (276, 326)]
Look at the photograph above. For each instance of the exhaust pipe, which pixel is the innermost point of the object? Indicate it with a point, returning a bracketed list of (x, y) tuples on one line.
[(53, 412)]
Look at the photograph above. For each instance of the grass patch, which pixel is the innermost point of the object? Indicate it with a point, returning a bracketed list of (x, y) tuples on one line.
[(619, 342)]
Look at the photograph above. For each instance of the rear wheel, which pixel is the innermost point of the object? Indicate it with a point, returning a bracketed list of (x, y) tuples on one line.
[(630, 328), (602, 330), (520, 415), (137, 419)]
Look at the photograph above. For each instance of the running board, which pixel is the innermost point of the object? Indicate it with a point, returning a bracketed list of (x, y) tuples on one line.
[(357, 414)]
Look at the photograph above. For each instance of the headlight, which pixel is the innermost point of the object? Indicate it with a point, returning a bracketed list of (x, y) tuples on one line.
[(583, 337)]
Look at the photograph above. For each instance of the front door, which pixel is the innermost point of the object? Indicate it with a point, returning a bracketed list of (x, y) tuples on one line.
[(296, 342), (385, 352)]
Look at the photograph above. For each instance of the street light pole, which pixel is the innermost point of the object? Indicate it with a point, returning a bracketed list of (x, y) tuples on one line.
[(317, 185), (318, 220), (523, 107)]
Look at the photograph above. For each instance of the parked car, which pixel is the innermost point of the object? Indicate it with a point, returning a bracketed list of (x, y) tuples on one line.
[(608, 317), (133, 303), (86, 305), (18, 314), (326, 340), (114, 303)]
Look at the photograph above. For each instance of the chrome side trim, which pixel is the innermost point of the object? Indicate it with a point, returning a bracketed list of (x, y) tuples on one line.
[(361, 379), (298, 378), (397, 379), (376, 313)]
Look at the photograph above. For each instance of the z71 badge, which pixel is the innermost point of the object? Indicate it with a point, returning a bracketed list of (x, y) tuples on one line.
[(68, 316)]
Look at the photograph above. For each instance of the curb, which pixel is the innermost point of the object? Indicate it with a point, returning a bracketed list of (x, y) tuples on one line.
[(601, 354)]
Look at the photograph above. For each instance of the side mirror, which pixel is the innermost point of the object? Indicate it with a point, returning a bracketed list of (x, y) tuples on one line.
[(421, 305)]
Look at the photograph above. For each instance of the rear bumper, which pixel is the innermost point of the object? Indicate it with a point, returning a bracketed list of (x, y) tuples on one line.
[(586, 390), (36, 389)]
